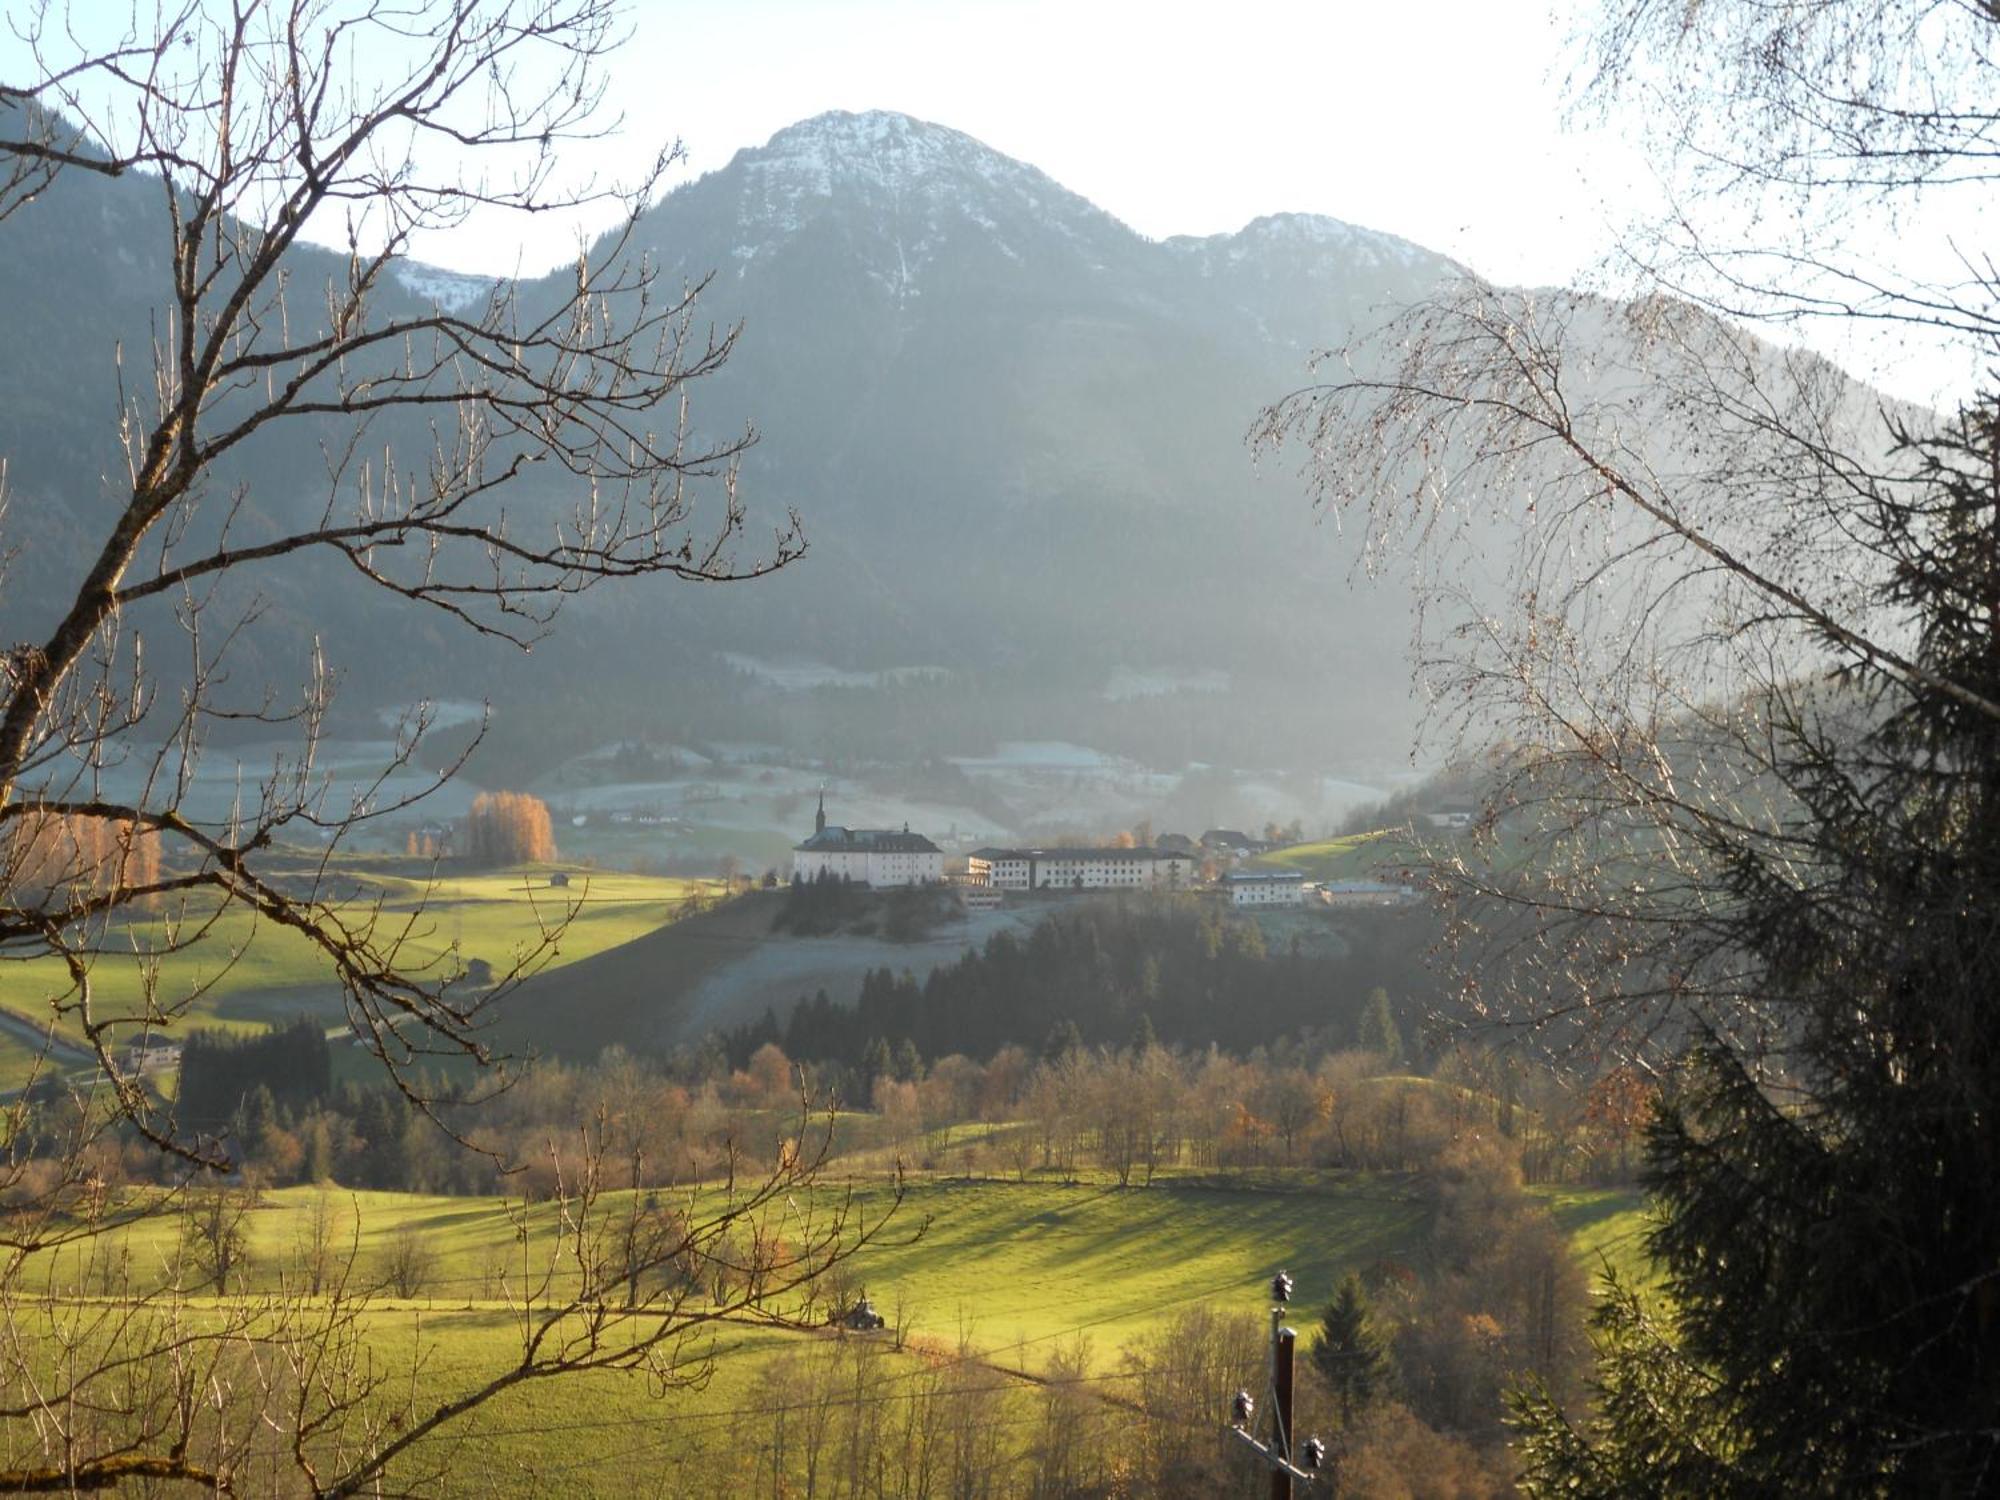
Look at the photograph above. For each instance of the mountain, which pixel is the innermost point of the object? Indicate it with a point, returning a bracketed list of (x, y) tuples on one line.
[(1015, 429), (1013, 426)]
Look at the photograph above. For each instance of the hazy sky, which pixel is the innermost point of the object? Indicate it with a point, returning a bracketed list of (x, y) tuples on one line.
[(1440, 122), (1444, 123)]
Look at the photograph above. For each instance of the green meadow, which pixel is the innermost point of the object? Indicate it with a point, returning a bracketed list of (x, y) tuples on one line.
[(246, 973), (1606, 1227), (1354, 856), (1018, 1261), (1019, 1269)]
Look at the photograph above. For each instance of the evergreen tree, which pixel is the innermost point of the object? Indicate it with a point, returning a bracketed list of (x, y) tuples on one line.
[(1655, 1427), (1377, 1031), (1828, 1229), (1346, 1351), (318, 1165), (876, 1062), (256, 1119)]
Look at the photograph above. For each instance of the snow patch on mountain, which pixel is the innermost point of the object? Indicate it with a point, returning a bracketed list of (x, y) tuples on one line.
[(1126, 684), (1311, 237), (454, 291), (925, 183), (796, 675)]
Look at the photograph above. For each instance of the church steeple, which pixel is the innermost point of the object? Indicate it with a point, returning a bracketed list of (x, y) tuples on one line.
[(819, 818)]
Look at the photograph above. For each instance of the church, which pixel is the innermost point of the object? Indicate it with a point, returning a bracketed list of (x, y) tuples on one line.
[(866, 856)]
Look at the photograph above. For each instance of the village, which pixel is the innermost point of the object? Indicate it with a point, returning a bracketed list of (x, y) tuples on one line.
[(1217, 862)]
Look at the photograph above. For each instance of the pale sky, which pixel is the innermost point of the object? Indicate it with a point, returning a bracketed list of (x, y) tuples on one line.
[(1443, 123), (1440, 123)]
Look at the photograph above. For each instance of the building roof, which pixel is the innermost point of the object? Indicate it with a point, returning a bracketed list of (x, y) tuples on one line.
[(1280, 877), (991, 855), (833, 839)]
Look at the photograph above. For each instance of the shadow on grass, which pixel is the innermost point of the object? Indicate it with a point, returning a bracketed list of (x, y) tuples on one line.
[(1576, 1210)]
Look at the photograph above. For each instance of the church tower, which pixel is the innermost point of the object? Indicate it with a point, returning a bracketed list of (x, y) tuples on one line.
[(819, 818)]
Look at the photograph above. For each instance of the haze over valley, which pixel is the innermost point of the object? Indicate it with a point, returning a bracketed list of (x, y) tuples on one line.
[(1015, 433)]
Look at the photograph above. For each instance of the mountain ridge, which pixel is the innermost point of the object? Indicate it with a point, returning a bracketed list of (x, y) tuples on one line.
[(1013, 424)]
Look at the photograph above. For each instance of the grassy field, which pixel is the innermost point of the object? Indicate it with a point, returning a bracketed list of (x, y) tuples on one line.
[(1356, 856), (1018, 1261), (1021, 1267), (1607, 1226), (250, 973)]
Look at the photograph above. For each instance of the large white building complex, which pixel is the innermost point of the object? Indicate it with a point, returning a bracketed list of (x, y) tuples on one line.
[(866, 856), (1266, 887), (1080, 869)]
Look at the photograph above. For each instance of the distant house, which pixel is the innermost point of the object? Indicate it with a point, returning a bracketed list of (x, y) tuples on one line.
[(1176, 843), (1452, 815), (1228, 841), (866, 856), (151, 1057), (1080, 869), (1265, 887), (1367, 893)]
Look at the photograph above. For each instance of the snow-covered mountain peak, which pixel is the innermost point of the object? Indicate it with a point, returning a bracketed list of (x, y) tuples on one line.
[(920, 187), (884, 149), (1313, 236), (1318, 231)]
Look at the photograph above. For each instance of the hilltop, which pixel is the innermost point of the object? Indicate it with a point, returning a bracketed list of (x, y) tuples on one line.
[(717, 969)]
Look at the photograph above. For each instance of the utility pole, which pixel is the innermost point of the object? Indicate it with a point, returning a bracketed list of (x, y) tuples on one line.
[(1278, 1451), (1283, 1343)]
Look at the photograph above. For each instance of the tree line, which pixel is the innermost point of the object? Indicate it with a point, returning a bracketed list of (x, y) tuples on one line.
[(1194, 975), (47, 853)]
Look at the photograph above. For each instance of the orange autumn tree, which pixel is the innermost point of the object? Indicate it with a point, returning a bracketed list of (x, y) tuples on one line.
[(509, 828), (74, 852)]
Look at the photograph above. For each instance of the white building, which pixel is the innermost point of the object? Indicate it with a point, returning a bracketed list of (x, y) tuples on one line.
[(866, 856), (1080, 869), (1366, 893), (1266, 887)]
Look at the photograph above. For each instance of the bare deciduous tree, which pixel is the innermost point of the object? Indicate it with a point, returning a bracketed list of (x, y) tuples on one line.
[(484, 463), (409, 1263), (559, 451)]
